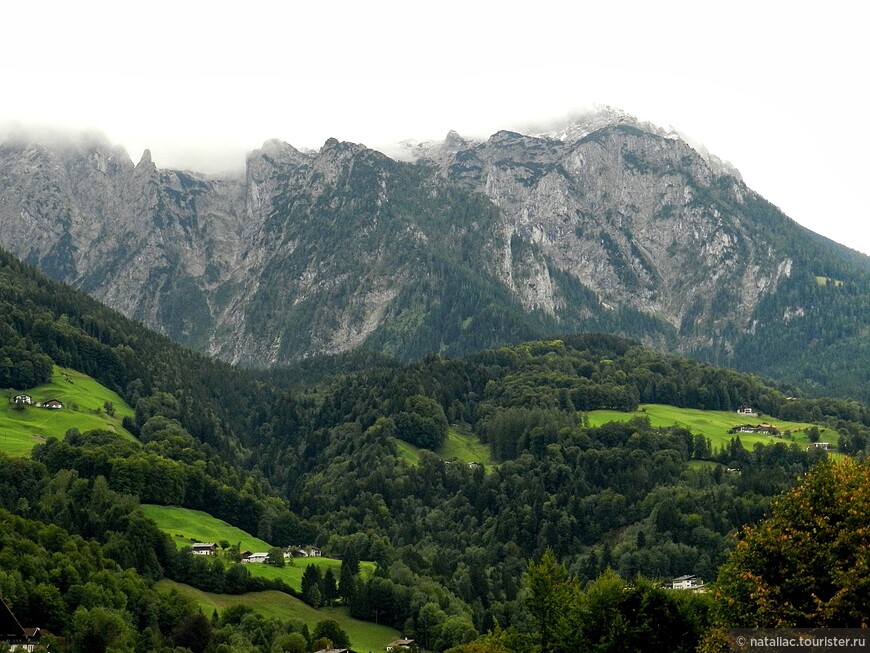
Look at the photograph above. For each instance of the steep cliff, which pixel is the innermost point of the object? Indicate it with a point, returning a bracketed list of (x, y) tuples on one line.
[(606, 224)]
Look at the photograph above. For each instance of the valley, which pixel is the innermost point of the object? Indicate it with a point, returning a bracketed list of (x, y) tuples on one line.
[(343, 327)]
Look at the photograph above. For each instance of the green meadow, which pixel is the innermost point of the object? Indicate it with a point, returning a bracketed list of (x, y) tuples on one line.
[(83, 408), (457, 447), (364, 636), (187, 526), (824, 281), (715, 424), (292, 572), (407, 452), (464, 448)]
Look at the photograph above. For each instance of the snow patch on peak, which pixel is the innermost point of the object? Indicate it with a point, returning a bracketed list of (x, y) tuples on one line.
[(579, 125)]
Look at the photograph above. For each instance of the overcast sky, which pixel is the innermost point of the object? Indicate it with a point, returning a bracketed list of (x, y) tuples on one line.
[(778, 89)]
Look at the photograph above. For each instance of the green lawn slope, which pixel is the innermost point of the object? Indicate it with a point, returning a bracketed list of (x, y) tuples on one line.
[(292, 572), (186, 526), (715, 424), (364, 636), (457, 447), (83, 408)]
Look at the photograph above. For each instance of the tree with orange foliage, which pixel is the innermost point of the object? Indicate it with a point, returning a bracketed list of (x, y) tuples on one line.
[(808, 564)]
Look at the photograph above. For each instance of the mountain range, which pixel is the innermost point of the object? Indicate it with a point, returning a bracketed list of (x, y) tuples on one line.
[(608, 225)]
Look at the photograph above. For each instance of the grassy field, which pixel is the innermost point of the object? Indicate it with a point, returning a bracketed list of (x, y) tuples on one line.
[(364, 636), (714, 424), (292, 573), (408, 452), (824, 281), (186, 526), (83, 400), (457, 447), (464, 448)]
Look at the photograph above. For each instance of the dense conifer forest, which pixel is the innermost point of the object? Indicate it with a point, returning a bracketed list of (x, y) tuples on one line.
[(466, 554)]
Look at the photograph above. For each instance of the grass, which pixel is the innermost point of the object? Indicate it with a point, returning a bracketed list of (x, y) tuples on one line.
[(714, 424), (824, 281), (292, 573), (457, 447), (83, 401), (407, 452), (464, 448), (186, 526), (364, 636)]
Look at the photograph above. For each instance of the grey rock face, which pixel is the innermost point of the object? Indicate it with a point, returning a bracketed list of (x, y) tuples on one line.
[(629, 214), (322, 252)]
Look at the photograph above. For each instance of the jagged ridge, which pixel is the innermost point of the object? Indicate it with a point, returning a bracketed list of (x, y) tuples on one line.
[(608, 224)]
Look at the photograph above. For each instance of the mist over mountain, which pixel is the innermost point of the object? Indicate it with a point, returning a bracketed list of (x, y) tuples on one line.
[(605, 224)]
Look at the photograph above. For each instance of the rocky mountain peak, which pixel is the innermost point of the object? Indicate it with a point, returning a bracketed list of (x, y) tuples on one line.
[(334, 155), (578, 126), (519, 147), (276, 153), (145, 161), (600, 223), (454, 141)]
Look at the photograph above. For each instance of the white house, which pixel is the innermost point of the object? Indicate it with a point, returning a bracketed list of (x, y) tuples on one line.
[(256, 558), (688, 582), (748, 411), (23, 399), (305, 551)]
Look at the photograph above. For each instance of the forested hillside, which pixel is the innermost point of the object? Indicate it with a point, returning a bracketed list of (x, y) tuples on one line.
[(308, 456)]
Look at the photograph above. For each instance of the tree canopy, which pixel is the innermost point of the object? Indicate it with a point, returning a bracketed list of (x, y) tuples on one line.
[(808, 563)]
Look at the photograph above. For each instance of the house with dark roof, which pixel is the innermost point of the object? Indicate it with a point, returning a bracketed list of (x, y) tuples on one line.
[(13, 634), (303, 552), (768, 429)]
